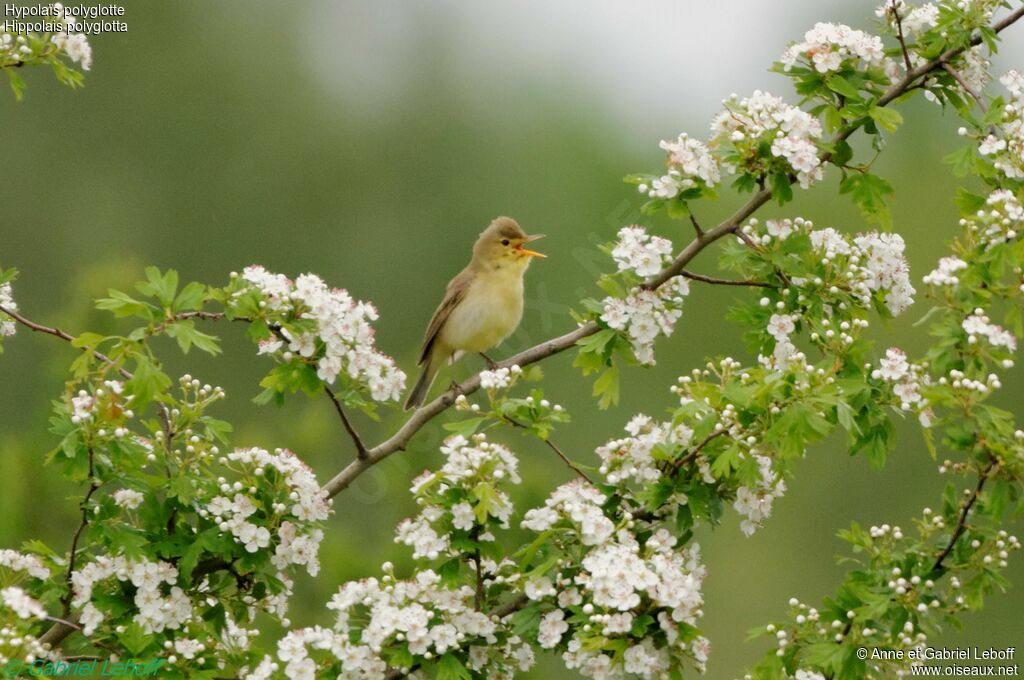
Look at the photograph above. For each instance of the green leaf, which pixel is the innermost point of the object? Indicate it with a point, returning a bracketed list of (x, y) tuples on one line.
[(962, 160), (17, 84), (450, 668), (782, 189), (186, 334), (869, 192), (122, 305), (841, 85), (842, 154), (160, 286), (487, 501), (606, 388), (465, 427), (190, 298), (887, 119), (134, 639), (148, 382)]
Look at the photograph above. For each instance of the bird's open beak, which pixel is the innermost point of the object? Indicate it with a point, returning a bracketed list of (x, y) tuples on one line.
[(530, 253)]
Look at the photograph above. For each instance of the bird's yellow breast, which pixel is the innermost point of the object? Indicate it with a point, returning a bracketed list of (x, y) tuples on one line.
[(488, 313)]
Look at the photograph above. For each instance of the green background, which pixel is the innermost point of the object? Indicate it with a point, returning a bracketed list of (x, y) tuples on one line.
[(370, 144)]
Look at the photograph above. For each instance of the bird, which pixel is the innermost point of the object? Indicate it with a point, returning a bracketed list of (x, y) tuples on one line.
[(482, 305)]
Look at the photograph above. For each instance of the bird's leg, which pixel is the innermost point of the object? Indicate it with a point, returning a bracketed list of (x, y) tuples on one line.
[(491, 363)]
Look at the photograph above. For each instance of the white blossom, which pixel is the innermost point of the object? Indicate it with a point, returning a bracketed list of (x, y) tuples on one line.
[(829, 47), (344, 339), (763, 117), (7, 325), (690, 163), (128, 498)]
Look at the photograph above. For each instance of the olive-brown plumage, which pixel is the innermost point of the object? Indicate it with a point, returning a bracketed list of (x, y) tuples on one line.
[(482, 305)]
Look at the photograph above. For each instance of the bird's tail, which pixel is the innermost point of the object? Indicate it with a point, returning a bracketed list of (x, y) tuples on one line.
[(422, 386)]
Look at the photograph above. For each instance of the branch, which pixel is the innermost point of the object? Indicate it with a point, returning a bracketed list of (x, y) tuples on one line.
[(967, 88), (696, 225), (902, 38), (724, 282), (692, 455), (554, 448), (60, 629), (56, 332), (961, 524), (93, 485), (356, 439)]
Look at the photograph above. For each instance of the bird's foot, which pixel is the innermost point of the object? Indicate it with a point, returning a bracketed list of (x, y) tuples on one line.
[(491, 363), (455, 387)]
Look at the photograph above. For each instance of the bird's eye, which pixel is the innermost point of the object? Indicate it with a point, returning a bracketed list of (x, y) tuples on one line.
[(504, 241)]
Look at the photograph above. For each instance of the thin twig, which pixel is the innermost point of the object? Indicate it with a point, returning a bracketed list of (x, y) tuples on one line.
[(961, 524), (356, 439), (554, 448), (84, 507), (566, 460), (696, 225), (58, 333), (902, 39), (967, 88), (692, 455), (725, 282)]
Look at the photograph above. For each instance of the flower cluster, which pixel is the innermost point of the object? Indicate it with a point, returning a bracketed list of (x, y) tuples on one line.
[(322, 327), (868, 266), (913, 20), (763, 118), (1006, 149), (375, 618), (999, 221), (576, 505), (641, 596), (288, 501), (7, 326), (160, 603), (830, 47), (978, 325), (632, 457), (690, 165), (641, 253), (946, 273), (462, 498), (74, 45), (754, 502), (499, 378), (13, 560), (645, 314)]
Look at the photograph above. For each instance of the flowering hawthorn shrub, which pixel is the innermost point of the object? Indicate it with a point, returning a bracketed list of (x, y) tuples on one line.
[(186, 547)]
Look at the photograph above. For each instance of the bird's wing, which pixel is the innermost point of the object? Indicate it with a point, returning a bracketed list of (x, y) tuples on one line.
[(454, 294)]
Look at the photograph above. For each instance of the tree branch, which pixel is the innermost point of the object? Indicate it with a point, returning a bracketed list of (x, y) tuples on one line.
[(93, 485), (967, 88), (724, 282), (356, 439), (902, 38), (58, 333), (961, 524), (554, 448)]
